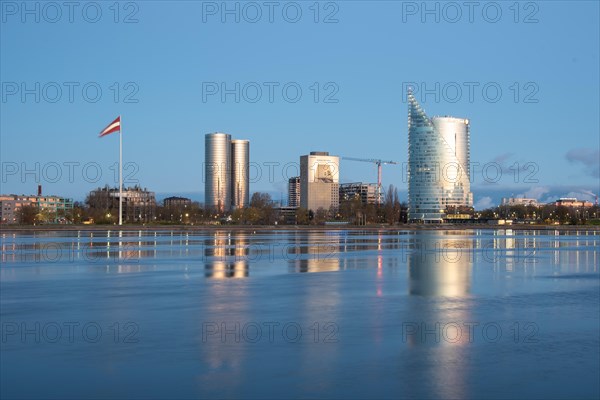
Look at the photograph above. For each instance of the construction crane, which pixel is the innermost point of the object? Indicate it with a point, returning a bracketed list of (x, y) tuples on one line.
[(379, 163)]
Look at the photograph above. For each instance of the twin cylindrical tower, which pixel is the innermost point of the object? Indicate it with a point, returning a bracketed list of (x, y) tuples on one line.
[(226, 167)]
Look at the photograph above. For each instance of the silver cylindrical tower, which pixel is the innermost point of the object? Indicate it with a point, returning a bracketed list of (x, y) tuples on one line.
[(217, 171), (454, 170), (240, 180)]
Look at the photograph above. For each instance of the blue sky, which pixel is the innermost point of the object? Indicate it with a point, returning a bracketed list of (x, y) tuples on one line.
[(169, 55)]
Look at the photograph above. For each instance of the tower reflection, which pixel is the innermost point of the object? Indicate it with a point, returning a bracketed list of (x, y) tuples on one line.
[(315, 252), (226, 256), (439, 269), (440, 265)]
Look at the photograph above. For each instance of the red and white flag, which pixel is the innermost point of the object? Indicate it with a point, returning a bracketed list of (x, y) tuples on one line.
[(112, 127)]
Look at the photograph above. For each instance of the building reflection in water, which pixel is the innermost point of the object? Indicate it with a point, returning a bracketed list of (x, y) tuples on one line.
[(439, 269), (440, 265), (226, 256), (123, 252), (315, 251)]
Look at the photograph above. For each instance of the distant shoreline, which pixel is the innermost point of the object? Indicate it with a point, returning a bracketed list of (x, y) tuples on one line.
[(210, 228)]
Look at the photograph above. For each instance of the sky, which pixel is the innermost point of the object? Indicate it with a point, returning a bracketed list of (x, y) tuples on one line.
[(295, 77)]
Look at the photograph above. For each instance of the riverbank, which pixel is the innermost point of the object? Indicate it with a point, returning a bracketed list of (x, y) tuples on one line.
[(253, 228)]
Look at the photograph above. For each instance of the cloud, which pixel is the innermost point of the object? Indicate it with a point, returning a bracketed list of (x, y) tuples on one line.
[(502, 157), (483, 203), (507, 166), (544, 194), (589, 158), (536, 192), (581, 195)]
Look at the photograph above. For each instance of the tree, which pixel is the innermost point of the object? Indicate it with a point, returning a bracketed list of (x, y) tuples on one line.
[(404, 212), (261, 200), (562, 213), (252, 215), (320, 216), (392, 206), (263, 204), (238, 216), (350, 209), (302, 216), (488, 213), (27, 215)]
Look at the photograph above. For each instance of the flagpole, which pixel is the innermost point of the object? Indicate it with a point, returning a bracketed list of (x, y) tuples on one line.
[(121, 172)]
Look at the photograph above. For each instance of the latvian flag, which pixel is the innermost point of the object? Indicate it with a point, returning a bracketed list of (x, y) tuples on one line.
[(112, 127)]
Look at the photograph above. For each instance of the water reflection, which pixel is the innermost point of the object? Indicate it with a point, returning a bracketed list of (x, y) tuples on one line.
[(439, 269), (315, 252), (226, 256), (440, 265)]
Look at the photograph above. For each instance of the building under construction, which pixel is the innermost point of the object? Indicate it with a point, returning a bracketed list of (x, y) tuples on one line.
[(368, 193)]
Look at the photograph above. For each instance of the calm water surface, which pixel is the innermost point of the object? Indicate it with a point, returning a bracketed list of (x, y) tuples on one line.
[(300, 314)]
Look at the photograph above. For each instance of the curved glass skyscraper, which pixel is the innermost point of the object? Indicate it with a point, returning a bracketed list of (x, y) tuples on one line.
[(438, 164)]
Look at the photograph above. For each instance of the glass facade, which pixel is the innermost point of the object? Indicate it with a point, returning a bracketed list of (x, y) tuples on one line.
[(438, 164)]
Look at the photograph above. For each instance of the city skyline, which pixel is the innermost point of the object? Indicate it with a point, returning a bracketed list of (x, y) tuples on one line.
[(557, 62), (317, 199)]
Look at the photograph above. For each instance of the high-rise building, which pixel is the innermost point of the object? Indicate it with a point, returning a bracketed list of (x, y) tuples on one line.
[(226, 178), (217, 167), (438, 164), (319, 181), (240, 179), (294, 192)]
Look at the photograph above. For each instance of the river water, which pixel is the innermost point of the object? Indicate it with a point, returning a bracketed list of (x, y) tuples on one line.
[(300, 314)]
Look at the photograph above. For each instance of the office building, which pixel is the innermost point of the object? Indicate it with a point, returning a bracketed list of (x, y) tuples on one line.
[(226, 175), (319, 181), (294, 192), (438, 164)]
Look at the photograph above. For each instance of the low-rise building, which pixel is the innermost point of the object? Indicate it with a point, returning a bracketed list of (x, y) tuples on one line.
[(139, 205), (49, 209), (573, 202), (519, 201), (177, 202), (286, 215)]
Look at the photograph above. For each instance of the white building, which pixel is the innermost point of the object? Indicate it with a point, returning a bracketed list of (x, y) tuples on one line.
[(438, 164), (319, 181), (519, 201)]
